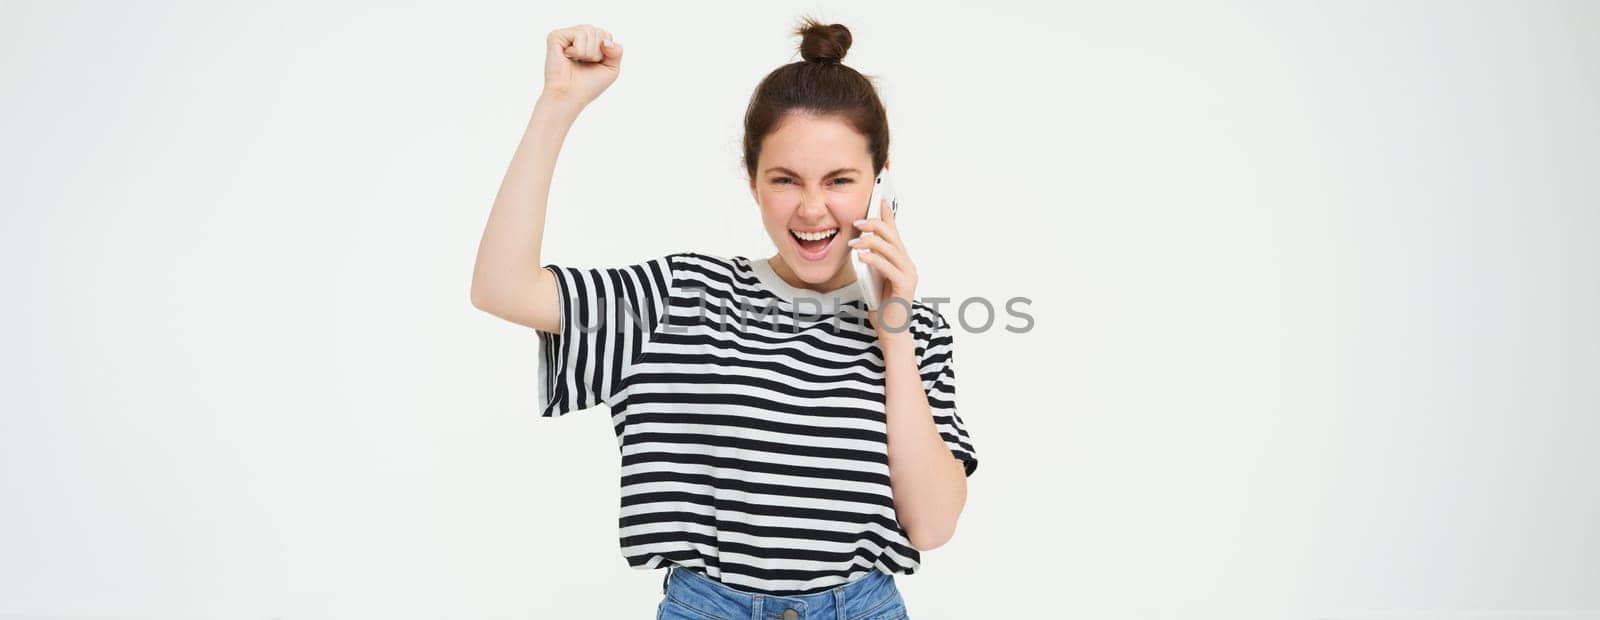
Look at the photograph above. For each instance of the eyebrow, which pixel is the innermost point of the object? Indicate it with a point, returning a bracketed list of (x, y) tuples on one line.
[(830, 174)]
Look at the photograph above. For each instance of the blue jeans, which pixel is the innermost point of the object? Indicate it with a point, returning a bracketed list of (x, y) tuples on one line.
[(689, 595)]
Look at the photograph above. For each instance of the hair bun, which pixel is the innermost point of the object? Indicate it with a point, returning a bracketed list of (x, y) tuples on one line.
[(823, 43)]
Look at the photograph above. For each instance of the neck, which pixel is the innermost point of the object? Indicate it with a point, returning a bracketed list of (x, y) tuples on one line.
[(845, 276)]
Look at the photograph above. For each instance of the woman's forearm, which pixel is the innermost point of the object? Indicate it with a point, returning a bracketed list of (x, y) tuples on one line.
[(505, 279), (929, 484)]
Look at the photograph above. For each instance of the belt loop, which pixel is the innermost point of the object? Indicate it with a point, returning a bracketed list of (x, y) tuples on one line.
[(666, 577), (838, 603)]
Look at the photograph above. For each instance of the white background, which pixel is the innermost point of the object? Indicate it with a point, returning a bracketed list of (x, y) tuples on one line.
[(1315, 290)]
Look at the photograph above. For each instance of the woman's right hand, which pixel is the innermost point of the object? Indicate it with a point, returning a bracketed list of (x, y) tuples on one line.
[(579, 64)]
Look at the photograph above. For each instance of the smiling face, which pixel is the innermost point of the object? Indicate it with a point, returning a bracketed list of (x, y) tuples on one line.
[(814, 177)]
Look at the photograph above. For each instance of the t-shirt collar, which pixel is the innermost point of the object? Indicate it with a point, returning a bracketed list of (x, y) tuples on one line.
[(762, 268)]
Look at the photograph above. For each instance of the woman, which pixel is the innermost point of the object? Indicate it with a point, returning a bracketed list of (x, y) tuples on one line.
[(784, 453)]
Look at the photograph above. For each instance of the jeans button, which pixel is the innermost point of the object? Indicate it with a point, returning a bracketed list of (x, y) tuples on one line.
[(790, 614)]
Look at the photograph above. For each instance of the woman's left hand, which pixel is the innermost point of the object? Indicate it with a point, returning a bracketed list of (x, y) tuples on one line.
[(878, 244)]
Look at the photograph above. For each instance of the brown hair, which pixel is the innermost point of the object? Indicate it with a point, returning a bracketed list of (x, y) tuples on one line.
[(819, 84)]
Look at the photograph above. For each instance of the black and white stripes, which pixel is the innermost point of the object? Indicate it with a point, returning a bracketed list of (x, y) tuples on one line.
[(749, 417)]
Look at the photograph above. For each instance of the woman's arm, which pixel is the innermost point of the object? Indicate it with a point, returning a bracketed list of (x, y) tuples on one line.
[(507, 280), (928, 482), (929, 485)]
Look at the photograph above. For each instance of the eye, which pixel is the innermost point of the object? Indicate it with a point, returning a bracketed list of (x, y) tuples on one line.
[(787, 180)]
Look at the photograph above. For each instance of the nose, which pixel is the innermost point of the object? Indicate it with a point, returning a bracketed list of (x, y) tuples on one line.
[(813, 204)]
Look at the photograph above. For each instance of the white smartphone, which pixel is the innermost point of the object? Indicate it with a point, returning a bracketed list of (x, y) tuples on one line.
[(867, 277)]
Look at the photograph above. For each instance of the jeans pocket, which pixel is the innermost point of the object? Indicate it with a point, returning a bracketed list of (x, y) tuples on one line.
[(893, 609), (896, 611), (673, 610)]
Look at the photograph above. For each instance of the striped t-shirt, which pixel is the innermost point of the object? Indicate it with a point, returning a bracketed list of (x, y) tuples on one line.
[(749, 416)]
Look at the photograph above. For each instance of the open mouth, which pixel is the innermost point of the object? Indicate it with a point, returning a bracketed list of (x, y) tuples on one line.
[(814, 244)]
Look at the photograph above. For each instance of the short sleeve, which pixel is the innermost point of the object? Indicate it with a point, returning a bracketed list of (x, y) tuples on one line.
[(607, 316), (937, 364)]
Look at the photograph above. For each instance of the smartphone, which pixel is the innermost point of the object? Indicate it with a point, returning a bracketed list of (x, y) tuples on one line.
[(867, 277)]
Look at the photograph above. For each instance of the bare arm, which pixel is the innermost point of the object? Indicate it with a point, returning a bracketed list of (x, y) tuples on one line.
[(507, 280), (929, 482), (929, 485)]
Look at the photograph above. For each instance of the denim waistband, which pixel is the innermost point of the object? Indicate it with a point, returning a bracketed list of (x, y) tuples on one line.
[(854, 599)]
